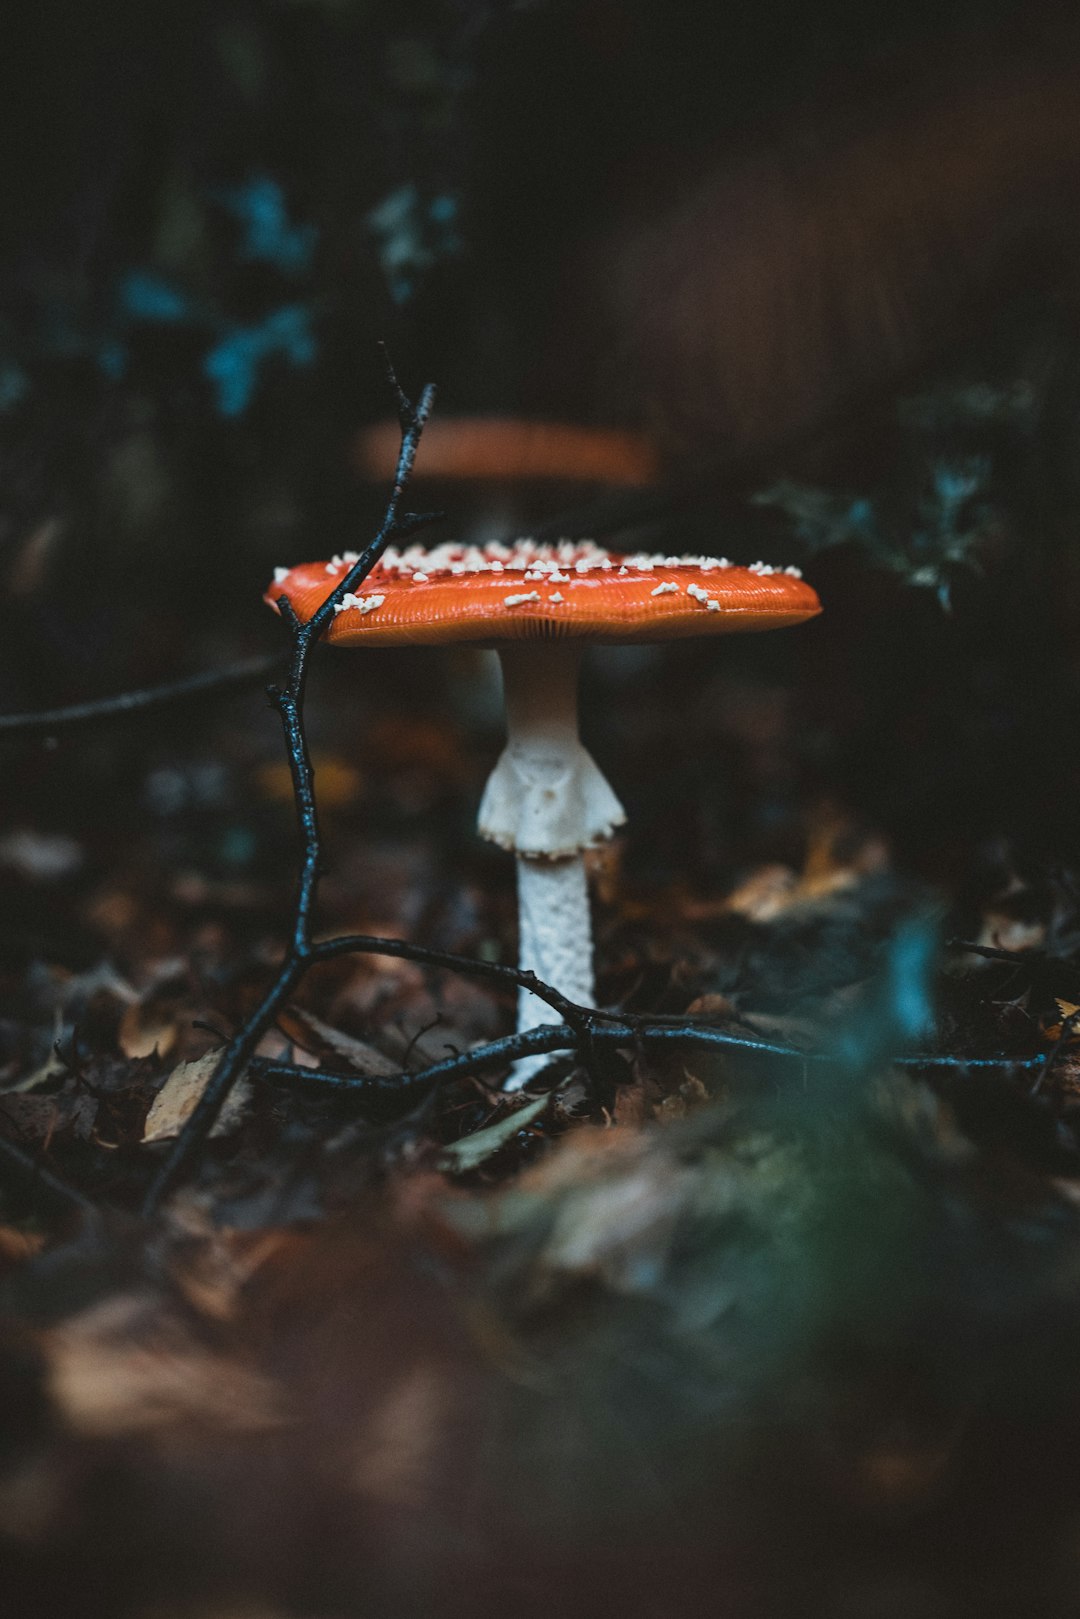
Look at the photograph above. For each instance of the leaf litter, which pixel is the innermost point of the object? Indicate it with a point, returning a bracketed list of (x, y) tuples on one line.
[(559, 1311)]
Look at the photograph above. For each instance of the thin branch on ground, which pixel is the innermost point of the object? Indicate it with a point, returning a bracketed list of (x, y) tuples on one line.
[(578, 1017), (547, 1037), (1042, 962), (207, 684), (562, 1037), (35, 1176), (994, 952), (289, 702)]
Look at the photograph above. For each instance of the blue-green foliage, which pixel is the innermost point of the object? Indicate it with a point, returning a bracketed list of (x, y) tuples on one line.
[(149, 297), (233, 364), (412, 234), (259, 206), (144, 299), (944, 499)]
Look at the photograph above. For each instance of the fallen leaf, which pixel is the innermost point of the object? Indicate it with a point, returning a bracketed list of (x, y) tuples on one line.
[(125, 1366), (357, 1053), (279, 1048), (17, 1246), (620, 1224), (147, 1030), (691, 1094), (712, 1006), (1057, 1031), (764, 894), (176, 1100), (214, 1263), (631, 1109), (39, 1118), (472, 1150), (572, 1100)]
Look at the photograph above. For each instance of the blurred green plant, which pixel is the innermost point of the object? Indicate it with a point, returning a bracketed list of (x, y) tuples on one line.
[(946, 497)]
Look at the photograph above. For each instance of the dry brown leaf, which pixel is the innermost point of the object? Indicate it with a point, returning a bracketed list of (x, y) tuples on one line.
[(39, 1118), (357, 1053), (17, 1246), (631, 1109), (571, 1101), (124, 1367), (764, 894), (1057, 1031), (147, 1030), (176, 1100), (690, 1095), (419, 1047), (619, 1226), (837, 858), (214, 1263), (712, 1006)]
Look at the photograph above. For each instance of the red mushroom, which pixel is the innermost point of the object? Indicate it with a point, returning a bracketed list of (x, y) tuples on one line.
[(546, 800)]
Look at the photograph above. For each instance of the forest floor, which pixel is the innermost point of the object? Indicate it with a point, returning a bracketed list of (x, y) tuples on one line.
[(689, 1325)]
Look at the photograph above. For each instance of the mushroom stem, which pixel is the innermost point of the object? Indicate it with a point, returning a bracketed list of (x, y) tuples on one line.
[(548, 801), (546, 797), (554, 941)]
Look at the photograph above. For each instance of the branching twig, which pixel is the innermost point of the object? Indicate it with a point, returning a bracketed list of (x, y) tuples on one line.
[(553, 1037), (289, 702), (407, 1086), (1034, 962), (578, 1017), (48, 720)]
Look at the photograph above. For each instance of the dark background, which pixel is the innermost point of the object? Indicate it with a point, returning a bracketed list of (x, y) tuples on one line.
[(826, 256), (754, 232)]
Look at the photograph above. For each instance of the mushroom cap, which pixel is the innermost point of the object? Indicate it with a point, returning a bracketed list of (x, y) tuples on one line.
[(525, 591), (503, 448)]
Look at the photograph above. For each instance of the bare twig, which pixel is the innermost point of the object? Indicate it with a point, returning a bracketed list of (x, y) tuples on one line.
[(48, 720), (1033, 960), (578, 1017), (35, 1176), (407, 1086), (993, 952), (555, 1037), (289, 702)]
